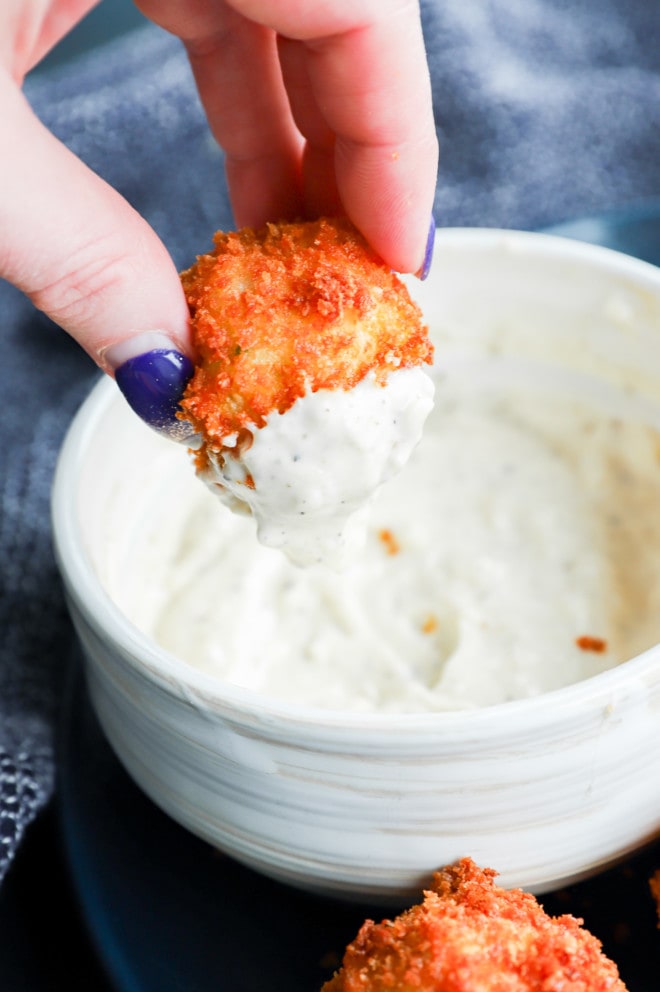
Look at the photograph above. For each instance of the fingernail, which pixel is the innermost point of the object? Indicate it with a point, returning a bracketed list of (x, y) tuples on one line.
[(153, 384), (428, 253)]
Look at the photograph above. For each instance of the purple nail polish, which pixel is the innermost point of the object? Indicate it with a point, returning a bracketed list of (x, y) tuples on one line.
[(153, 384), (428, 253)]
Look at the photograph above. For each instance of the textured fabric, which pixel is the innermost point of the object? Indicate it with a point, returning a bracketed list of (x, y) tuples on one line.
[(545, 109)]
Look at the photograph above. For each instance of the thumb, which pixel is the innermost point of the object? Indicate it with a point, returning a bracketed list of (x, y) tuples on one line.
[(86, 258)]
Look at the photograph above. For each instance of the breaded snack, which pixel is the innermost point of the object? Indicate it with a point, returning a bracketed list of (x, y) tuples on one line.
[(302, 314), (470, 935), (289, 309)]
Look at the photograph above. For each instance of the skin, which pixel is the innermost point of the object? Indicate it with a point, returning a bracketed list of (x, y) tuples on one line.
[(321, 108)]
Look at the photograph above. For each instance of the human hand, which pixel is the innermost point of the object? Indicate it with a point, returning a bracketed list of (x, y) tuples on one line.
[(318, 111), (321, 109), (79, 251)]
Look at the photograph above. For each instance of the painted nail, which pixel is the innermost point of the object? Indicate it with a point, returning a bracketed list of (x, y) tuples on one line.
[(153, 384), (428, 253)]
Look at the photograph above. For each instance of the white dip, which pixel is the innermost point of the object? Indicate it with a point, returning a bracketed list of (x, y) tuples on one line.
[(525, 521), (309, 473)]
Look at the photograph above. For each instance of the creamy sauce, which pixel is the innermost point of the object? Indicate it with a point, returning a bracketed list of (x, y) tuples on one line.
[(309, 473), (518, 551)]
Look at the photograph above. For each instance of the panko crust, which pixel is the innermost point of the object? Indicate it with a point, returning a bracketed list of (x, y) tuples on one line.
[(470, 935), (290, 308)]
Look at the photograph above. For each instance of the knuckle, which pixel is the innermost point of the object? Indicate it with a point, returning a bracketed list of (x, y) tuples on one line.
[(85, 281)]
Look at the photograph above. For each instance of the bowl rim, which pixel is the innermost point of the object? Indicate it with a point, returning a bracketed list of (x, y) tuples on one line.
[(239, 703)]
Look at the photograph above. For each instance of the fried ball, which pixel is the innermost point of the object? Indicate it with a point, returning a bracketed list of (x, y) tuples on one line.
[(309, 393), (291, 308), (470, 935)]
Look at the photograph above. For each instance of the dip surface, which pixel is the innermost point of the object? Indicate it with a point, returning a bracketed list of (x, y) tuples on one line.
[(308, 474), (518, 552)]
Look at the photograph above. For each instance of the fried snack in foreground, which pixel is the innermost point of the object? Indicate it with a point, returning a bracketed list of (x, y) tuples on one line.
[(470, 935), (306, 336)]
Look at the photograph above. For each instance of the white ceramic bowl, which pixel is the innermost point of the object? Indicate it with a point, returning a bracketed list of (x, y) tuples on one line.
[(545, 790)]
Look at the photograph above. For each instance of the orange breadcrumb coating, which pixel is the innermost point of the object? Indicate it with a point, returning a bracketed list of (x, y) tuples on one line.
[(392, 546), (287, 309), (430, 624), (470, 935), (588, 643)]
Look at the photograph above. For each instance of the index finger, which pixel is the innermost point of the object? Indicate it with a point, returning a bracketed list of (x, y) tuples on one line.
[(367, 110), (369, 82), (357, 84)]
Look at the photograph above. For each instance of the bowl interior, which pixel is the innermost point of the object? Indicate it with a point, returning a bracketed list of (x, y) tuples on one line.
[(505, 306), (368, 803)]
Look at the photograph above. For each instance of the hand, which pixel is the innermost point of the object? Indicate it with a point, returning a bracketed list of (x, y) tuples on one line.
[(73, 244), (319, 108)]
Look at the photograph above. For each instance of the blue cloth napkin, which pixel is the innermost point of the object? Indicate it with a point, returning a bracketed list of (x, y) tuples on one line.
[(545, 109)]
